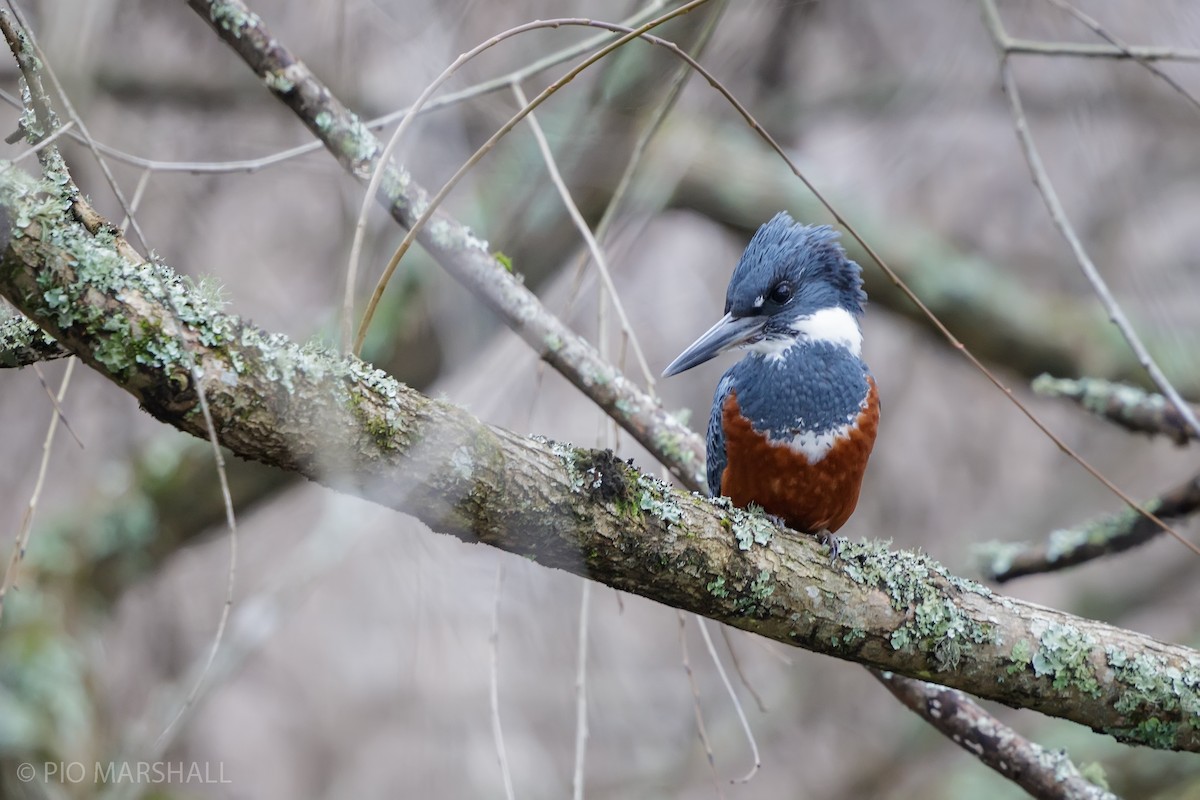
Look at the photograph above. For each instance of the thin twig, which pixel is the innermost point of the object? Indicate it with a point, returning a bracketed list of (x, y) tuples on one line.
[(83, 130), (447, 100), (435, 201), (701, 730), (35, 149), (1058, 215), (377, 175), (737, 704), (589, 239), (165, 737), (1095, 26), (581, 707), (1078, 50), (494, 689), (54, 402), (21, 541), (138, 191), (673, 91), (737, 667)]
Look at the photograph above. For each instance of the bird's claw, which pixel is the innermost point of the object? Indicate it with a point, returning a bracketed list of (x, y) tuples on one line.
[(827, 538)]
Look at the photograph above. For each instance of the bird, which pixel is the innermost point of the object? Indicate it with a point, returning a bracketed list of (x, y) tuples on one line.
[(794, 421)]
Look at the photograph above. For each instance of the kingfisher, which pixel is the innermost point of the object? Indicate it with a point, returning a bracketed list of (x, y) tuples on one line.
[(793, 422)]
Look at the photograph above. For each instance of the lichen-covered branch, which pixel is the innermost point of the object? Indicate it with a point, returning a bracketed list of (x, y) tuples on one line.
[(23, 343), (1045, 774), (1069, 547), (1130, 407), (456, 249), (341, 422)]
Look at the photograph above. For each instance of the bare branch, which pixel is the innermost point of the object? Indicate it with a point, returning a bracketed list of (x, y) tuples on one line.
[(1078, 50), (1045, 774), (1094, 25), (342, 423)]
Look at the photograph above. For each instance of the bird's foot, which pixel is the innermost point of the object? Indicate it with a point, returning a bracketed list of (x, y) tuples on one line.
[(827, 538)]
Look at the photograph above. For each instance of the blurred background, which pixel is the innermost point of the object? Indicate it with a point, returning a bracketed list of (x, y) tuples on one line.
[(360, 653)]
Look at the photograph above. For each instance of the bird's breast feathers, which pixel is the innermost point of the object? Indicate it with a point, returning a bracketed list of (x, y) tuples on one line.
[(812, 400)]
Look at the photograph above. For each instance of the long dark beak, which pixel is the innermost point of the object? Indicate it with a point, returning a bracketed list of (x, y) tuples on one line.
[(729, 332)]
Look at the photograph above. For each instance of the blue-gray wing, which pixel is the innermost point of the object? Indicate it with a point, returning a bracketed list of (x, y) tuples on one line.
[(716, 437)]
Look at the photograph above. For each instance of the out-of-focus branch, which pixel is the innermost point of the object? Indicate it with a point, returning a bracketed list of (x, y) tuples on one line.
[(1132, 408), (1045, 774), (1115, 533), (340, 422), (22, 343), (1083, 50)]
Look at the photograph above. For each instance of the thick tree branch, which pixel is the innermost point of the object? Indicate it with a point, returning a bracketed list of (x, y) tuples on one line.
[(340, 422)]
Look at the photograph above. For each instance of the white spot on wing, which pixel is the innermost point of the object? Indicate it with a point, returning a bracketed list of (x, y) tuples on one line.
[(835, 325)]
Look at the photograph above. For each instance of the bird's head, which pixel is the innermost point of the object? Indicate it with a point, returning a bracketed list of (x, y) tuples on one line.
[(793, 284)]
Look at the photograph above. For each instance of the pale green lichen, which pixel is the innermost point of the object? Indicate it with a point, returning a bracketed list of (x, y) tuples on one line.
[(1021, 655), (1151, 686), (934, 621), (1064, 654), (1099, 396), (716, 587), (278, 82), (751, 527), (233, 18), (88, 265), (754, 601), (658, 500), (1096, 532)]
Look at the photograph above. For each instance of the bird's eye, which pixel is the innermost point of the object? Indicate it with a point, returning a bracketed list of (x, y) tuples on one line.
[(781, 293)]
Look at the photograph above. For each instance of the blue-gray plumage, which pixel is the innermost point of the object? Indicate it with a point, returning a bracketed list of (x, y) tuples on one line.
[(816, 388), (794, 421)]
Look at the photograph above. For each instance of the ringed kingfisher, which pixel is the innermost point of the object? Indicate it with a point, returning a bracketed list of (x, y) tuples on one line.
[(794, 421)]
